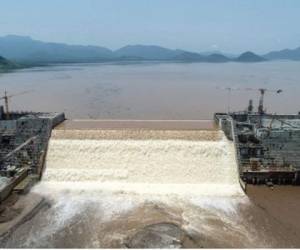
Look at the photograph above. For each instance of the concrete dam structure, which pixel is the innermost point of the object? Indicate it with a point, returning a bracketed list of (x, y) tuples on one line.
[(267, 146), (160, 156), (23, 146), (159, 161), (116, 183), (96, 176)]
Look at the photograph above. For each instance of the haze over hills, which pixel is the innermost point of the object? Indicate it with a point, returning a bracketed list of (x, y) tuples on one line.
[(286, 54), (250, 57), (6, 64), (150, 52), (3, 61), (24, 49)]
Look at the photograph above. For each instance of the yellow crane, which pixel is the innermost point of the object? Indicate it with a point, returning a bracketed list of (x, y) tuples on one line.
[(6, 98)]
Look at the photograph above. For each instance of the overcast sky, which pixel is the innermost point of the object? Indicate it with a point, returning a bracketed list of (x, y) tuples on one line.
[(199, 25)]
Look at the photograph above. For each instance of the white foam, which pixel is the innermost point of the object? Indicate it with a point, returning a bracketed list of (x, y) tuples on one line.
[(144, 166)]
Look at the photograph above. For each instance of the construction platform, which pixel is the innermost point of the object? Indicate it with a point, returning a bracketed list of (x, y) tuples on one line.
[(23, 145), (267, 145)]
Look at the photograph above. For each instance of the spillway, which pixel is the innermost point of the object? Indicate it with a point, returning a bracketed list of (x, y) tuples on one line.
[(198, 162), (105, 187)]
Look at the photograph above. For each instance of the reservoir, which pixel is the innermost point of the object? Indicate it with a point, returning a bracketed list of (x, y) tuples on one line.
[(152, 91)]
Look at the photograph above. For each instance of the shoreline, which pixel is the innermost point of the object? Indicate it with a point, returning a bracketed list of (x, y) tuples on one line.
[(27, 65)]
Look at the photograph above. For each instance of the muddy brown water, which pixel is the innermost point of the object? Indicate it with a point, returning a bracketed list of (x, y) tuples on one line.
[(151, 91)]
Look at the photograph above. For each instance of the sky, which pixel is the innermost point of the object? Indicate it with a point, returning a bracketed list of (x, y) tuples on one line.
[(231, 26)]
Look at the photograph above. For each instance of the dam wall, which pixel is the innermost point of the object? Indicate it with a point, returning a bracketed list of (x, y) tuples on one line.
[(267, 146), (159, 161), (23, 145)]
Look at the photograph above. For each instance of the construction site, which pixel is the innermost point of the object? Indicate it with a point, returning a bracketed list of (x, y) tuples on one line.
[(23, 144), (267, 145), (148, 183)]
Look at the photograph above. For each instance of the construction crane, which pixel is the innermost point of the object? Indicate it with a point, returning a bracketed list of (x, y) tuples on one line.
[(262, 95), (6, 100), (261, 99), (229, 90)]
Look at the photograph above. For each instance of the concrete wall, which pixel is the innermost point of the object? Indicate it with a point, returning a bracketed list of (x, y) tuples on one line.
[(282, 148), (8, 124), (26, 127), (59, 118)]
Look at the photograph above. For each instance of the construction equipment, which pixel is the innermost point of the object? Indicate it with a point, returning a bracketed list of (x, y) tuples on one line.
[(266, 145), (229, 89), (261, 99), (250, 106), (6, 98), (262, 91)]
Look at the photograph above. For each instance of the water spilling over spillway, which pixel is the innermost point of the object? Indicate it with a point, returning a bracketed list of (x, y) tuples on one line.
[(160, 162), (115, 188)]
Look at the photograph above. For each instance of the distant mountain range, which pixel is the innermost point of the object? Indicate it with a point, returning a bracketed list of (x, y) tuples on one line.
[(27, 51), (286, 54), (146, 52)]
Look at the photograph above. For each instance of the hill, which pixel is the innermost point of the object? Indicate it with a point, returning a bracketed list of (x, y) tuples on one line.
[(6, 64), (189, 56), (196, 57), (25, 49), (286, 54), (28, 51), (218, 58), (249, 57), (147, 52), (3, 61), (152, 52)]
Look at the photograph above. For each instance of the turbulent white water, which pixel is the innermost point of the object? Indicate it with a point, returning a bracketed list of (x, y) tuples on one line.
[(102, 191), (143, 166)]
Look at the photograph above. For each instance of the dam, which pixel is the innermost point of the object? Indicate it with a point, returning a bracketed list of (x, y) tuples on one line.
[(144, 160), (117, 186), (140, 184)]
